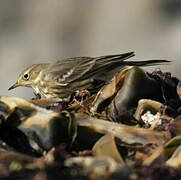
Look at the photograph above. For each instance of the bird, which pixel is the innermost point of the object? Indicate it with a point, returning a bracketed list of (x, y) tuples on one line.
[(59, 80)]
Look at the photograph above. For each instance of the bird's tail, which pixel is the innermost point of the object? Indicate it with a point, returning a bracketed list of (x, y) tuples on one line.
[(106, 66), (122, 60), (146, 62), (111, 63)]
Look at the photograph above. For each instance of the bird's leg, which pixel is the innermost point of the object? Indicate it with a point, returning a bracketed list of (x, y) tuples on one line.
[(77, 97), (81, 95)]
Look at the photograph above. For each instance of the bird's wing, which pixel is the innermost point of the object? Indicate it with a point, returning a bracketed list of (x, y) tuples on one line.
[(68, 70), (65, 71)]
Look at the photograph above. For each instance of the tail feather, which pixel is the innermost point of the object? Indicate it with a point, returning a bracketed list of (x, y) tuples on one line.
[(146, 62), (107, 66), (122, 58)]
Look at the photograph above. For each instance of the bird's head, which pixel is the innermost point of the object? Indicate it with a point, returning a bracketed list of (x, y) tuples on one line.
[(29, 76)]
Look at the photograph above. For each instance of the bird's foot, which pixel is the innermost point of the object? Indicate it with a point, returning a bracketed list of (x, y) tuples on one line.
[(82, 95)]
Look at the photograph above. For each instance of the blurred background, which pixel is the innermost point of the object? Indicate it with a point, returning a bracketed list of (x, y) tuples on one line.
[(47, 30)]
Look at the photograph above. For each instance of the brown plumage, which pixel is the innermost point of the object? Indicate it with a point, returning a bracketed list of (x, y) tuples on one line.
[(60, 79)]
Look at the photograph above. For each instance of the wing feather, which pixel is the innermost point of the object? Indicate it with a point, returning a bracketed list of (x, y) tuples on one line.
[(65, 71)]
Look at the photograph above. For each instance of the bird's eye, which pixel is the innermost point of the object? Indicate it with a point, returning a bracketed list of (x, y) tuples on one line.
[(26, 76)]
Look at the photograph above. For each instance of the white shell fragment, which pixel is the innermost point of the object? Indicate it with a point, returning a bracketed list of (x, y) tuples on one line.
[(150, 119)]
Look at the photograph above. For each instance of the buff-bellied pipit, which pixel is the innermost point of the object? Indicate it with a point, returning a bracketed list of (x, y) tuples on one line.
[(60, 79)]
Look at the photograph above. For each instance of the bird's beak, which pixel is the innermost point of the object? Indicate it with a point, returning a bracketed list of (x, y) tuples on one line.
[(17, 84)]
